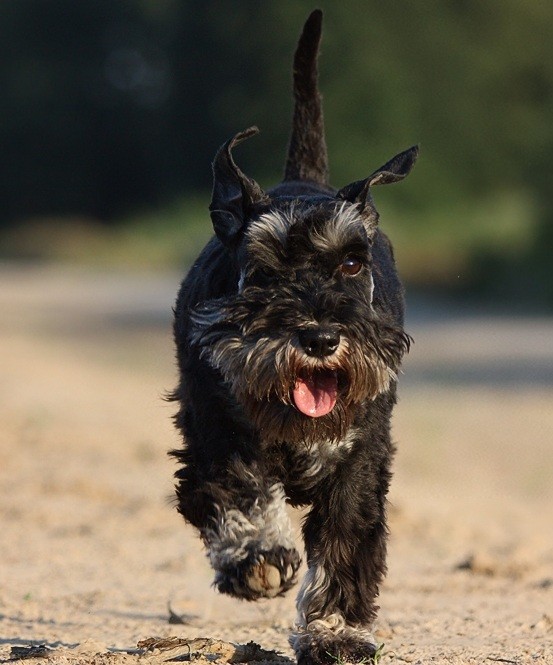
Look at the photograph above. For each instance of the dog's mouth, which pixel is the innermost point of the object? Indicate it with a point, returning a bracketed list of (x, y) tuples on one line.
[(315, 392)]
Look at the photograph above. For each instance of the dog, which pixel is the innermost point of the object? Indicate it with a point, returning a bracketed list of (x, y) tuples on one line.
[(289, 335)]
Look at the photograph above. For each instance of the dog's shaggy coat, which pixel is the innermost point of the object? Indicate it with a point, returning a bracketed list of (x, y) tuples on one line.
[(289, 333)]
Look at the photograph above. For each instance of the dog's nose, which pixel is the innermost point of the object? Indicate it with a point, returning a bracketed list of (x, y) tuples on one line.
[(319, 342)]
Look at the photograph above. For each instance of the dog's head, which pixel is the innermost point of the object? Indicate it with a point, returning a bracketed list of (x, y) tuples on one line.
[(300, 344)]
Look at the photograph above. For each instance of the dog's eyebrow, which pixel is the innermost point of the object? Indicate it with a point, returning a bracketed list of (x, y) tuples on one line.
[(274, 224), (267, 238), (338, 232), (330, 231)]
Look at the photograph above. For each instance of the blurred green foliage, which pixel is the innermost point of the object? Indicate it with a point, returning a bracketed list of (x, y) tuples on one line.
[(113, 108)]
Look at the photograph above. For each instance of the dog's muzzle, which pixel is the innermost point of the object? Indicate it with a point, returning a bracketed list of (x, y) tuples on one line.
[(316, 388)]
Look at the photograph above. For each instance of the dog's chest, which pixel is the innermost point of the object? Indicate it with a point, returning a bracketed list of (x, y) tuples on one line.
[(303, 468), (326, 454)]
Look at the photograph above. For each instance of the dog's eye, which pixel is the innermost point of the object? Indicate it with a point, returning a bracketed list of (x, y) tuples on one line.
[(351, 265)]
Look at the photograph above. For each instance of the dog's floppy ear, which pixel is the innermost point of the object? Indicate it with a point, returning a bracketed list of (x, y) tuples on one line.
[(393, 171), (233, 192)]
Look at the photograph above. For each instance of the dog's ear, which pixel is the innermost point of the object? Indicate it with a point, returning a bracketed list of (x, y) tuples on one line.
[(393, 171), (233, 192)]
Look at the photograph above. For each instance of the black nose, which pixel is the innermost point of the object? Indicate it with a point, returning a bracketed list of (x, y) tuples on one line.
[(319, 342)]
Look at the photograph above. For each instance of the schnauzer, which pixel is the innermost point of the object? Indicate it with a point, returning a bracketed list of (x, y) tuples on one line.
[(289, 334)]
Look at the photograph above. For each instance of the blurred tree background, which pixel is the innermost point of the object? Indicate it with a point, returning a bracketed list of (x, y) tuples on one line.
[(112, 111)]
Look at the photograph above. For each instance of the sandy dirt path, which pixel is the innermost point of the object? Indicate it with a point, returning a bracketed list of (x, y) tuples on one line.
[(92, 552)]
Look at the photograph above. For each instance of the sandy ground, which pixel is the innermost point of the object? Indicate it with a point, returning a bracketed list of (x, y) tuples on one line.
[(92, 552)]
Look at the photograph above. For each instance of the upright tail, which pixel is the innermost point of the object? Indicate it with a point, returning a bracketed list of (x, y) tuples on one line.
[(307, 155)]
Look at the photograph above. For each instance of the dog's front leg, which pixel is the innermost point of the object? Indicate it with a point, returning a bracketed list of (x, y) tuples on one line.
[(250, 544), (244, 524), (345, 537)]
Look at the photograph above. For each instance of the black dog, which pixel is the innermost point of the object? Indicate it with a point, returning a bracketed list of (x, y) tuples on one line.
[(289, 330)]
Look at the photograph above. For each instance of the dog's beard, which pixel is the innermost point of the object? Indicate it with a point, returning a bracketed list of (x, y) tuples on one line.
[(286, 394)]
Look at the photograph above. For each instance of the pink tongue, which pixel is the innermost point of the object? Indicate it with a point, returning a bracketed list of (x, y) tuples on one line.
[(315, 395)]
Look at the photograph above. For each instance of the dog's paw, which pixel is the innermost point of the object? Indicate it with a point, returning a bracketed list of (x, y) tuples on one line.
[(318, 646), (260, 575)]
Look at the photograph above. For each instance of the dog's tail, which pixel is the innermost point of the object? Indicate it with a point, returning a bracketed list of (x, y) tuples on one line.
[(307, 155)]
